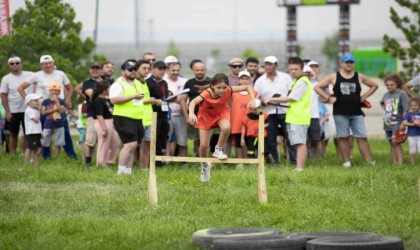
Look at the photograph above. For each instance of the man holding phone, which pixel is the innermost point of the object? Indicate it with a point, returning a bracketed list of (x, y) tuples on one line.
[(127, 97)]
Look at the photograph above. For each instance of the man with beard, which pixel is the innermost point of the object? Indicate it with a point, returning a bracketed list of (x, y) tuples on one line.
[(127, 96), (196, 85), (251, 65), (108, 71)]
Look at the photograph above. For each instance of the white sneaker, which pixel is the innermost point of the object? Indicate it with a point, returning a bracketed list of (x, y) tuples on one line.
[(372, 163), (347, 164), (239, 166), (218, 153), (205, 171), (298, 169)]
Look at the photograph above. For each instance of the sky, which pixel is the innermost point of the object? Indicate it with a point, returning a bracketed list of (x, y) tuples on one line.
[(224, 20)]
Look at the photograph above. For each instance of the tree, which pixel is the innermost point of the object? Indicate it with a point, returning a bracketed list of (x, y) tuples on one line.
[(409, 55), (48, 27), (173, 50), (250, 52), (330, 49)]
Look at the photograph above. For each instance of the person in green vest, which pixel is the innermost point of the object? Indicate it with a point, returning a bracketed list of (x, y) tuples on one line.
[(298, 116), (127, 96)]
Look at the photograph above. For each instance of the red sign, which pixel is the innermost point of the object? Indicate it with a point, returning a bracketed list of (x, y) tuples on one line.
[(4, 15)]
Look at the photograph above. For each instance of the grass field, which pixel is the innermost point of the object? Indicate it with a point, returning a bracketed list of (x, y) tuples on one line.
[(63, 205)]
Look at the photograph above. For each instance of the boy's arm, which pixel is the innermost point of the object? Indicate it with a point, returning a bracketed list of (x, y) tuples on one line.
[(60, 108)]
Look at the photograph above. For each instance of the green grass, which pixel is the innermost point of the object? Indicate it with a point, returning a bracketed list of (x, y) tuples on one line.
[(62, 205)]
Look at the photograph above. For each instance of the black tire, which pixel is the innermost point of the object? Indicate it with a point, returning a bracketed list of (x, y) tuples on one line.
[(316, 235), (370, 242), (280, 242), (205, 238)]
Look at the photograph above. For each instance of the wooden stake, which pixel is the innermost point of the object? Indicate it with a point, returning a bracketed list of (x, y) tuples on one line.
[(261, 186), (152, 188)]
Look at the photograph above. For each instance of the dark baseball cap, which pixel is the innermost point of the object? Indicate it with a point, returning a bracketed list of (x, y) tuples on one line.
[(95, 65), (159, 64), (129, 64)]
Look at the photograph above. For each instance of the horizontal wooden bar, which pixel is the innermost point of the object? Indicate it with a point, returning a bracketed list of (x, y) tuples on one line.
[(198, 159)]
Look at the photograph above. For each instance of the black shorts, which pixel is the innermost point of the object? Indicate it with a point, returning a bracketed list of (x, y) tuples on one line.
[(314, 130), (237, 139), (14, 125), (129, 130), (33, 141)]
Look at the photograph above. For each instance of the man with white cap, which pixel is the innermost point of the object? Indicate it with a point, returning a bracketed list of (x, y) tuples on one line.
[(274, 82), (236, 64), (13, 102), (178, 126), (42, 80)]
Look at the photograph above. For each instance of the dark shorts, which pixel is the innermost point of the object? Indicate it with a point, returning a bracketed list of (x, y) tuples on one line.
[(129, 130), (33, 141), (237, 139), (14, 125), (314, 130)]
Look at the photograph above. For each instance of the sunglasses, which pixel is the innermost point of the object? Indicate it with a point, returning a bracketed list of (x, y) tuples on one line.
[(236, 66), (132, 69), (152, 60), (349, 62), (14, 63)]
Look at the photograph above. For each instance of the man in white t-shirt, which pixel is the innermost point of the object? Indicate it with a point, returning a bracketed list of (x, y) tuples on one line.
[(415, 82), (42, 80), (276, 83), (13, 103), (178, 126)]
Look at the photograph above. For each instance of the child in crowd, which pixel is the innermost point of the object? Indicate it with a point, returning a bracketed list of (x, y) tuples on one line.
[(33, 128), (240, 103), (104, 125), (395, 105), (81, 124), (54, 110), (412, 121), (250, 128), (215, 112)]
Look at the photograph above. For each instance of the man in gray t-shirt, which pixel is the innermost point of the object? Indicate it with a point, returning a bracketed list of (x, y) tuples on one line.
[(13, 102), (415, 82)]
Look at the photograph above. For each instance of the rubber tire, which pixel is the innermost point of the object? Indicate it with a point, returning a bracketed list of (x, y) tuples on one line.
[(316, 235), (205, 238), (280, 242), (371, 242)]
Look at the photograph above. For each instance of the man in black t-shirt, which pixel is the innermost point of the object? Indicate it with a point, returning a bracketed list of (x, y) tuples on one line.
[(196, 86), (158, 89)]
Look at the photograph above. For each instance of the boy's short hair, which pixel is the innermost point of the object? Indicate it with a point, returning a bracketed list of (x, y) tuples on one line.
[(55, 86)]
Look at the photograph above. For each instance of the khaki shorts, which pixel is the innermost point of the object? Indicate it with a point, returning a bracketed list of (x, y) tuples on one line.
[(91, 136)]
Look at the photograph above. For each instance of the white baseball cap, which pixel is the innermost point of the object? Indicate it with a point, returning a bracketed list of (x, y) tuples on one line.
[(14, 58), (310, 63), (244, 73), (170, 59), (30, 97), (46, 58), (271, 59), (306, 68)]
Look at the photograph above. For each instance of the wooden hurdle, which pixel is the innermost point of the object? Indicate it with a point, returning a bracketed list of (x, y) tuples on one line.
[(261, 184)]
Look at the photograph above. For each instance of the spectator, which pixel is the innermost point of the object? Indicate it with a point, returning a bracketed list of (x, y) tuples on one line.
[(236, 64), (54, 111), (413, 83), (347, 106), (126, 95), (412, 121), (250, 130), (33, 128), (14, 103), (298, 117), (251, 64)]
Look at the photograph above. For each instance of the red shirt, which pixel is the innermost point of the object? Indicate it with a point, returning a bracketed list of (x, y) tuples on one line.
[(213, 109), (251, 125)]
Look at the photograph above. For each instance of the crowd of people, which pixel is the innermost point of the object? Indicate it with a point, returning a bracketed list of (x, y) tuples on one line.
[(302, 111)]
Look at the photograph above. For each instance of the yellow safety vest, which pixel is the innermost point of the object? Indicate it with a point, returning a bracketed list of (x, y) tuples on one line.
[(300, 111), (130, 109)]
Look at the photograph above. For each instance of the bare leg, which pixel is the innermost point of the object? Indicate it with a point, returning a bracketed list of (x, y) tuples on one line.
[(301, 155), (12, 143), (126, 154), (344, 149), (27, 156), (224, 126), (364, 149), (205, 142)]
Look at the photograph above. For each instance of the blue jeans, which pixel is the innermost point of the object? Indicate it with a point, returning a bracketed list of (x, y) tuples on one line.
[(277, 126), (68, 148)]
